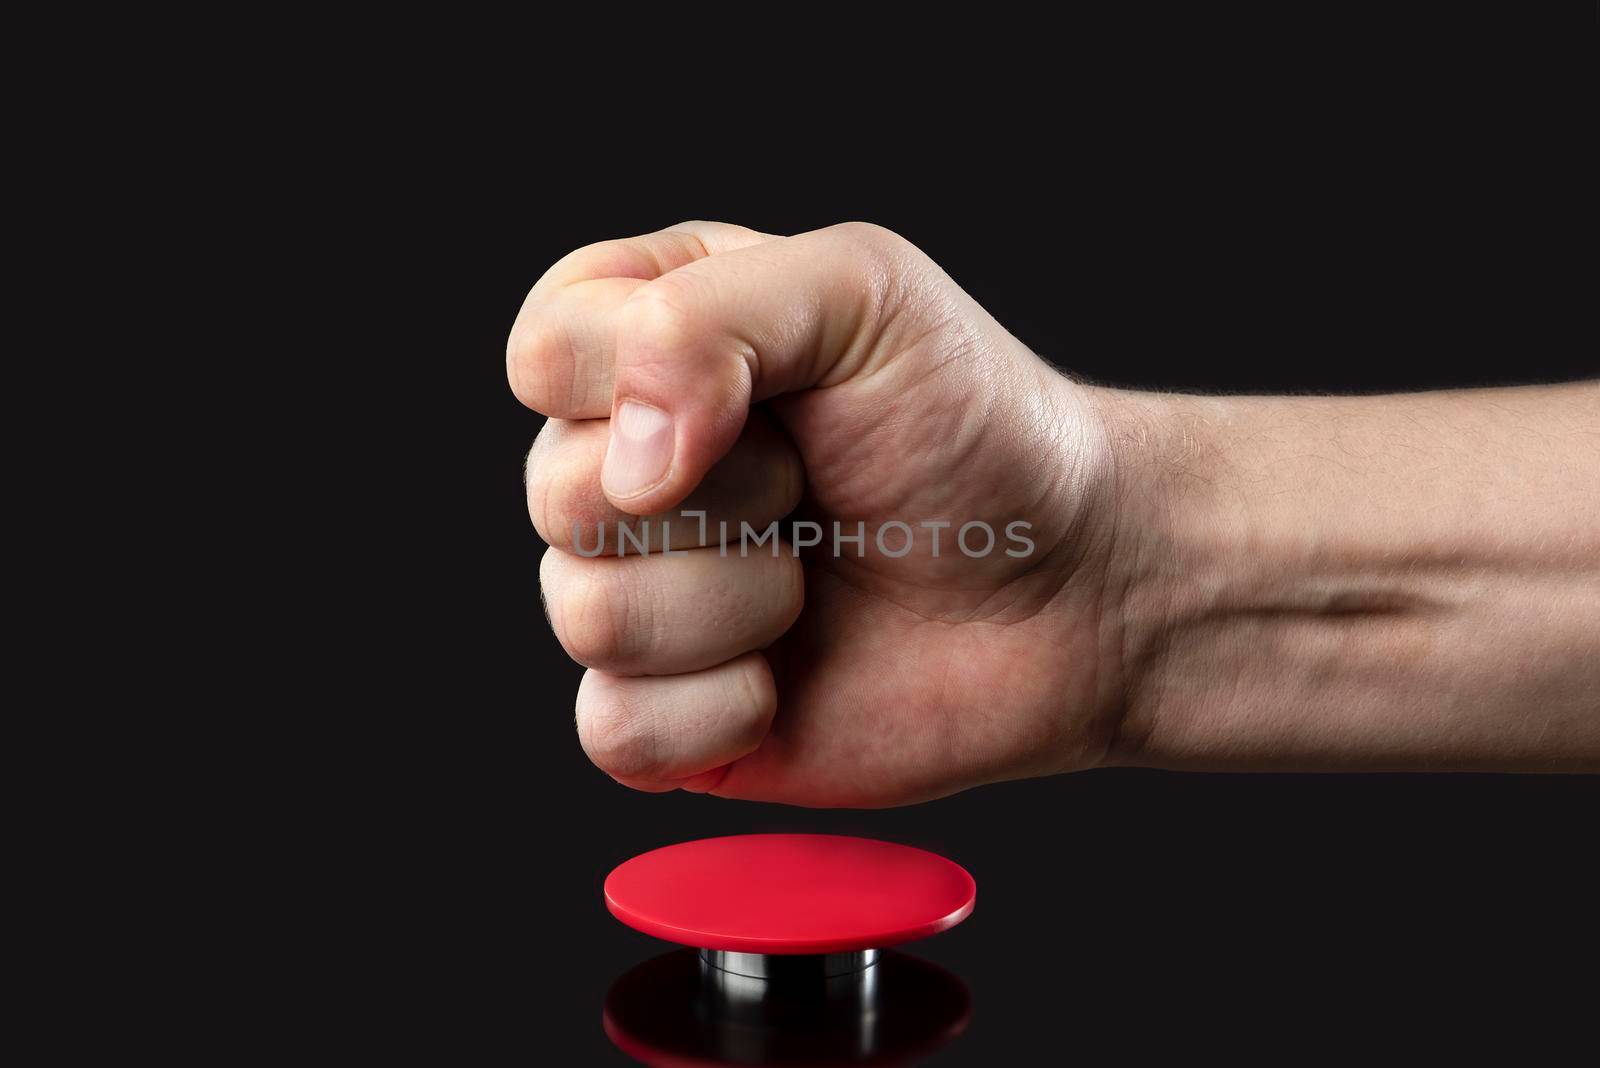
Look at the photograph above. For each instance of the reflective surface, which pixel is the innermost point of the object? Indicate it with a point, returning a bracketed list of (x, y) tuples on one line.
[(799, 968), (676, 1009)]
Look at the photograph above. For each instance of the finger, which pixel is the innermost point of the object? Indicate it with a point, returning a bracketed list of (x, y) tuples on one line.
[(648, 255), (760, 480), (695, 347), (559, 355), (562, 352), (662, 615), (666, 732)]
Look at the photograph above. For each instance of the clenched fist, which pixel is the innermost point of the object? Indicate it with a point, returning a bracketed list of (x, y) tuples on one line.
[(713, 369), (988, 571)]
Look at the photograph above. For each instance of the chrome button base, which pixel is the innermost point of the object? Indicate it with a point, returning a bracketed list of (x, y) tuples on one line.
[(790, 968)]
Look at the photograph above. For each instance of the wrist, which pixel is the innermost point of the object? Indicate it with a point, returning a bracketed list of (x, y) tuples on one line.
[(1101, 564), (1167, 537)]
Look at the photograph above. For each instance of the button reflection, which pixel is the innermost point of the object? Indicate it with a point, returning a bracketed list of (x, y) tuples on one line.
[(674, 1010)]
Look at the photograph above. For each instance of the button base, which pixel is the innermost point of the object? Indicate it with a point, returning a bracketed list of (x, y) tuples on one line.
[(799, 967)]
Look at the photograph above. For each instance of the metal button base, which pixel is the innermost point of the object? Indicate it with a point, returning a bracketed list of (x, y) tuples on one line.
[(762, 983), (790, 968)]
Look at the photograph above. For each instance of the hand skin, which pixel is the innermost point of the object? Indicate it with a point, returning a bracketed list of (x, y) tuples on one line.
[(1407, 582)]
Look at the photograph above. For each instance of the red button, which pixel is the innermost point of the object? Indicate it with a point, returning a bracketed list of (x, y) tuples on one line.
[(790, 893)]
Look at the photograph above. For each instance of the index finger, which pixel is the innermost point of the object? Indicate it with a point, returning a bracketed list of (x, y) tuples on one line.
[(561, 351)]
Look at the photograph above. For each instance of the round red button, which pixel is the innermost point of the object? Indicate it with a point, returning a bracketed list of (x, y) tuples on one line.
[(790, 893)]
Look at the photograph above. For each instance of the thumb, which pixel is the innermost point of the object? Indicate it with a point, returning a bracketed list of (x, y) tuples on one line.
[(698, 345)]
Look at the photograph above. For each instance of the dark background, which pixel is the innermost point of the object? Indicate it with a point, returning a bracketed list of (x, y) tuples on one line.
[(1377, 216)]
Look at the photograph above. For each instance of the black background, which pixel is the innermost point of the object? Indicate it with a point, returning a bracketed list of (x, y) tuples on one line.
[(1371, 217)]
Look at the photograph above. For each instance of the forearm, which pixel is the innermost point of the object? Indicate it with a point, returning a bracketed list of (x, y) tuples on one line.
[(1401, 582)]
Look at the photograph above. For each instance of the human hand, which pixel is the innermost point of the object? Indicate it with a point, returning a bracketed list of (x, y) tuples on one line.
[(1244, 583), (712, 368)]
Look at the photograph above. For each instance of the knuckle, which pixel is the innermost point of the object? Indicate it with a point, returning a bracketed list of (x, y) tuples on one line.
[(560, 497), (598, 634), (593, 616), (870, 238), (536, 482), (657, 317), (599, 259), (539, 364), (618, 733), (696, 231), (695, 227), (887, 266)]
